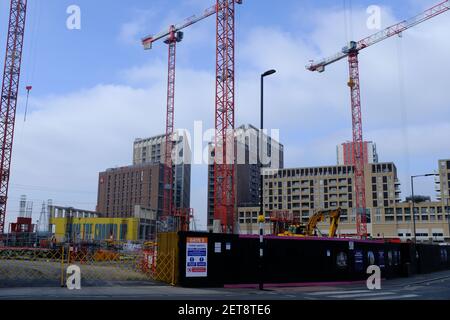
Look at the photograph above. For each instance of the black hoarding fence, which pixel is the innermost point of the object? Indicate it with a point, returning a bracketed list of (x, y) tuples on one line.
[(432, 258), (233, 260)]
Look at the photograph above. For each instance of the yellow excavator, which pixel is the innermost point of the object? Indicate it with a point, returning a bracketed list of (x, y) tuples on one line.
[(310, 230)]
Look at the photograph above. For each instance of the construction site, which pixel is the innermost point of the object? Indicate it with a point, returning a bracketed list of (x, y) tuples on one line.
[(157, 240)]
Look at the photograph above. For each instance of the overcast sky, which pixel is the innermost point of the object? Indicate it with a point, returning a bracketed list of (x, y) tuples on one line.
[(95, 90)]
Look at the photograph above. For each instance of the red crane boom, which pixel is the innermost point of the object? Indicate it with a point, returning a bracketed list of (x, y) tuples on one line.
[(10, 92), (352, 52)]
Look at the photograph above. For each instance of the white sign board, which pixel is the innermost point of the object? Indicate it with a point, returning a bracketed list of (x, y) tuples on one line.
[(218, 247), (351, 245), (196, 257)]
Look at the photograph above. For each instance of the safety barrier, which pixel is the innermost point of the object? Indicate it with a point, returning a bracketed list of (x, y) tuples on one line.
[(166, 264), (100, 263), (21, 266)]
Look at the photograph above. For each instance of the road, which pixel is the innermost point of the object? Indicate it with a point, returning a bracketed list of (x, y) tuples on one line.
[(434, 286)]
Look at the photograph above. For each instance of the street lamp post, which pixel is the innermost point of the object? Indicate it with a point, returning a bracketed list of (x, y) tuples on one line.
[(261, 181), (413, 200)]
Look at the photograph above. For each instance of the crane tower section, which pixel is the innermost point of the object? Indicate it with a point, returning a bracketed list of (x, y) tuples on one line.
[(224, 157), (10, 92)]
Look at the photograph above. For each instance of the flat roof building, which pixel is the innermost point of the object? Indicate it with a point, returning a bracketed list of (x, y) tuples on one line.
[(152, 151), (345, 153), (120, 189), (76, 225), (247, 167), (302, 191)]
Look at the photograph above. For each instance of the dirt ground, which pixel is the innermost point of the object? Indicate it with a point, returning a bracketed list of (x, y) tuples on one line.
[(48, 273)]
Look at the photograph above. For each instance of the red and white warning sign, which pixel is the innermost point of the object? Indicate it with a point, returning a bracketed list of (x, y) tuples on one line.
[(196, 257)]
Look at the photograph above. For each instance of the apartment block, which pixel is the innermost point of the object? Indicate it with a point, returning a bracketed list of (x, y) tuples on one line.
[(247, 141), (248, 221), (152, 151), (432, 221), (121, 189), (443, 183), (302, 191), (345, 153)]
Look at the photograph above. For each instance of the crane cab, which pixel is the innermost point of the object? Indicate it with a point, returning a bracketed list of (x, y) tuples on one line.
[(351, 47)]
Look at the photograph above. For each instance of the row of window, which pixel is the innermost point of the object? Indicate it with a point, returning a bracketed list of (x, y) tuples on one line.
[(101, 231), (306, 172), (418, 234)]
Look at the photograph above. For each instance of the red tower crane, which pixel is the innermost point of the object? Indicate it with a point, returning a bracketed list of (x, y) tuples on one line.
[(224, 156), (10, 91), (172, 36), (351, 51), (224, 192)]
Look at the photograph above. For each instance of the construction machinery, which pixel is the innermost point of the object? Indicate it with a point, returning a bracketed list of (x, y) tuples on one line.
[(351, 52), (224, 166), (281, 220), (225, 152), (172, 36), (9, 96), (310, 229)]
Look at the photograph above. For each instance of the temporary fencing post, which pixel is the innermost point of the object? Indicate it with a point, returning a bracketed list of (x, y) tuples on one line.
[(62, 266), (173, 267)]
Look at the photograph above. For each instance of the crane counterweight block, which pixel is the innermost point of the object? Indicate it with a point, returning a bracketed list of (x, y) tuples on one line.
[(147, 43)]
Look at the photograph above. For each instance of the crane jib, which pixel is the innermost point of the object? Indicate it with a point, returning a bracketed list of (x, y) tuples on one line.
[(384, 34)]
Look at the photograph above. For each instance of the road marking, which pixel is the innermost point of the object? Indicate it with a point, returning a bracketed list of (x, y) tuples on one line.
[(362, 296), (406, 296), (324, 293)]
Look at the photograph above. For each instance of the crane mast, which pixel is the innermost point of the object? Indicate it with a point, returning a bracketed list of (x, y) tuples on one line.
[(10, 92), (170, 118), (225, 153), (351, 52)]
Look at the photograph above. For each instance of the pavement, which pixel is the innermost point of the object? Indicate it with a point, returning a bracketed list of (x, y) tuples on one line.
[(434, 286)]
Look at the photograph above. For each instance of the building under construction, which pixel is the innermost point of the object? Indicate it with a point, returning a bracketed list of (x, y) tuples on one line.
[(73, 225)]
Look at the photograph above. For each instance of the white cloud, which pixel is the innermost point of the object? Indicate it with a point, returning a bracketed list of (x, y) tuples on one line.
[(132, 31)]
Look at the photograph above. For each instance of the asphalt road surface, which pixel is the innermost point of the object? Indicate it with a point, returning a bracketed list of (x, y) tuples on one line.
[(434, 286)]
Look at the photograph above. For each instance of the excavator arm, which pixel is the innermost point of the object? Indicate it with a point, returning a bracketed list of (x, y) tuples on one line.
[(321, 216)]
